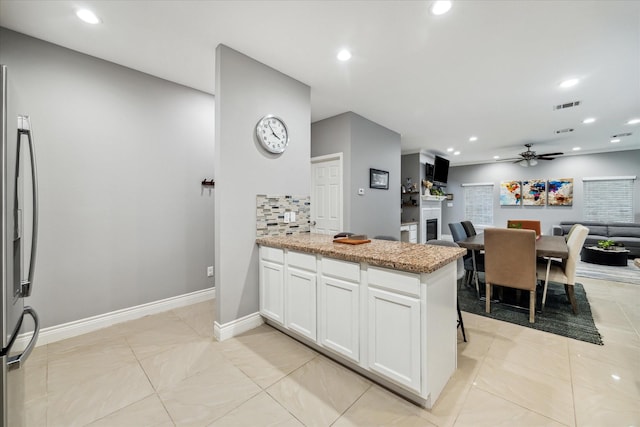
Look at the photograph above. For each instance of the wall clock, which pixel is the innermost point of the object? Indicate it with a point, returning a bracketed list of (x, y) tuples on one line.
[(273, 134)]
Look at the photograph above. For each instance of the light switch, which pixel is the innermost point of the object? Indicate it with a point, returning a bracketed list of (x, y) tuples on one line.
[(287, 217), (449, 204), (293, 217)]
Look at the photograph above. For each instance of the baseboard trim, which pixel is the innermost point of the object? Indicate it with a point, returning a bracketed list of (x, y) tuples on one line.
[(236, 327), (90, 324)]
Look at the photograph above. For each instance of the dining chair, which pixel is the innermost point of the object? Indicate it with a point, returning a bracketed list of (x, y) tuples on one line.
[(565, 272), (510, 260), (525, 224), (459, 233), (469, 228), (460, 274)]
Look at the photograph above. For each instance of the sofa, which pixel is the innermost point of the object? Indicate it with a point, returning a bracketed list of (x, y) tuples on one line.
[(625, 233)]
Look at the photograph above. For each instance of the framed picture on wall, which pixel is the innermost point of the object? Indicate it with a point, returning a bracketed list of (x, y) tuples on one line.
[(378, 179)]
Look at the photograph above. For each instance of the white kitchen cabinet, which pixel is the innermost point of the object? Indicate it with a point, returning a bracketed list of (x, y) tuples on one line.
[(272, 290), (300, 302), (394, 337), (339, 317), (409, 233)]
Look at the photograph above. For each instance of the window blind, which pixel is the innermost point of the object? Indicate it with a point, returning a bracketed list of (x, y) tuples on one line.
[(608, 199), (478, 203)]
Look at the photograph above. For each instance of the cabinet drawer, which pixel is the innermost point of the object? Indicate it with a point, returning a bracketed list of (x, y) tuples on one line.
[(396, 281), (272, 254), (341, 269), (301, 260)]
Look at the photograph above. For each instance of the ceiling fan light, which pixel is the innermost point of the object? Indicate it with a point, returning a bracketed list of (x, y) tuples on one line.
[(523, 163), (533, 162)]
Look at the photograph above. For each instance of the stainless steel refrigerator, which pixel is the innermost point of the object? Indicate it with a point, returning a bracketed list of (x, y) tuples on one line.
[(18, 168)]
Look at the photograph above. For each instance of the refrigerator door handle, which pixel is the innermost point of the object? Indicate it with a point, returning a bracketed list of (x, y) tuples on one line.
[(16, 362), (24, 128)]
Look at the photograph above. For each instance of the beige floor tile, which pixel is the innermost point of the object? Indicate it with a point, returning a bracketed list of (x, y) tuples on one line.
[(606, 377), (267, 355), (38, 357), (545, 394), (174, 365), (148, 412), (609, 313), (199, 316), (103, 337), (478, 343), (97, 397), (551, 358), (485, 409), (154, 321), (35, 382), (378, 407), (203, 398), (149, 342), (597, 409), (596, 289), (86, 362), (518, 334), (260, 410), (35, 412), (618, 336), (318, 392), (443, 413), (613, 353)]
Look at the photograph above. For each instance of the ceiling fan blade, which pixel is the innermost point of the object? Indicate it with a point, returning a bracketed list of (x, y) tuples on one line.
[(545, 158), (509, 159), (550, 154)]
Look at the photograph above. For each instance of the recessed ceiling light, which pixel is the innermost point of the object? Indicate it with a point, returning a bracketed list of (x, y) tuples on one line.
[(615, 377), (441, 7), (473, 138), (496, 157), (615, 140), (633, 122), (449, 150), (344, 55), (589, 120), (569, 83), (576, 148), (456, 153), (88, 16)]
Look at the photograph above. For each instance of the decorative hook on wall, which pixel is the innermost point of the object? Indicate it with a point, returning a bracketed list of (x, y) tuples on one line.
[(210, 183)]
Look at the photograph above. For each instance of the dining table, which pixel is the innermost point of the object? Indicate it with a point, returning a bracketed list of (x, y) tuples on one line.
[(547, 247)]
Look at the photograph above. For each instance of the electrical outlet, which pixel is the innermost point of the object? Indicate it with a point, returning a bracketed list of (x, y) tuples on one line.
[(293, 217), (210, 271), (287, 217)]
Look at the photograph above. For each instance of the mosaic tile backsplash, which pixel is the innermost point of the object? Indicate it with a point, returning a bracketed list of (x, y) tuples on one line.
[(271, 210)]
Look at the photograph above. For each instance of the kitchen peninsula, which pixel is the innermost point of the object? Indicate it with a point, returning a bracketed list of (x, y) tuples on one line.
[(385, 309)]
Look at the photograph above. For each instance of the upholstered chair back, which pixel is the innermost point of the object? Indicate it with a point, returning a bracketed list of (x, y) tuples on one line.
[(510, 257)]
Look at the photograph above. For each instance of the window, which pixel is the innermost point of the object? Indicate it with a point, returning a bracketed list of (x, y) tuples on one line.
[(478, 203), (608, 198)]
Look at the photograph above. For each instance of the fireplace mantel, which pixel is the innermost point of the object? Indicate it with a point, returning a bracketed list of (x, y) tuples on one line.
[(430, 208)]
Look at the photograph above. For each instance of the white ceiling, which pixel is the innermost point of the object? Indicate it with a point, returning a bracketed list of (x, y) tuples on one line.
[(487, 68)]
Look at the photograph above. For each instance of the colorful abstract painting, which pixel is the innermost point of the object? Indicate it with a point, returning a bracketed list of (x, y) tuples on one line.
[(510, 193), (560, 192), (534, 192)]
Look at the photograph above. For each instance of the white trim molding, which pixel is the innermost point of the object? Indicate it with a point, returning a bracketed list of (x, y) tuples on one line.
[(236, 327), (608, 178), (476, 184), (90, 324)]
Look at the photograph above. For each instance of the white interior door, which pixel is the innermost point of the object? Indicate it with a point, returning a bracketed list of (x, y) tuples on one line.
[(326, 194)]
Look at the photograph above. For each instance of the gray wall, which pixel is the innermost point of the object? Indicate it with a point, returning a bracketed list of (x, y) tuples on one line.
[(621, 163), (246, 90), (366, 145), (124, 220)]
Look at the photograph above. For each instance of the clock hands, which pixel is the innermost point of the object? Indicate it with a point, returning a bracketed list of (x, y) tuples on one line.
[(273, 133)]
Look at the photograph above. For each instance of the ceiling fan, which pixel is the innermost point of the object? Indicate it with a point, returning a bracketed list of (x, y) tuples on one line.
[(530, 158)]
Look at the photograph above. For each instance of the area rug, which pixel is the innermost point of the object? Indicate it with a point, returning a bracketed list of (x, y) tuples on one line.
[(557, 318), (628, 274)]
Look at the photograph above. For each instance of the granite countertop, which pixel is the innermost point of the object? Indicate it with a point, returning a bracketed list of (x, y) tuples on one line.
[(412, 257)]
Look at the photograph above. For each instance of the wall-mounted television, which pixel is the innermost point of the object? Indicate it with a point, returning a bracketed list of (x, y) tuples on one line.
[(440, 170)]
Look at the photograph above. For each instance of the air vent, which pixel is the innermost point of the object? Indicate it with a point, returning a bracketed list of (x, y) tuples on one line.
[(620, 135), (566, 105), (566, 130)]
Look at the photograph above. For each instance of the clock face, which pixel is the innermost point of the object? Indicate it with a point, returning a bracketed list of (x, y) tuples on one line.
[(272, 134)]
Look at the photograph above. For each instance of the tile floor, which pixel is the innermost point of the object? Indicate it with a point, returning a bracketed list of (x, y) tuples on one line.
[(167, 370)]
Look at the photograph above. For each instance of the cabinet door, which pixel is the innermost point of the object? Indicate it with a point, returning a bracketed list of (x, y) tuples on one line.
[(394, 337), (272, 291), (300, 302), (339, 317)]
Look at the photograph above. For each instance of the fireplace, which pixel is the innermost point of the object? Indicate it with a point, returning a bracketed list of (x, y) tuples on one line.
[(432, 229)]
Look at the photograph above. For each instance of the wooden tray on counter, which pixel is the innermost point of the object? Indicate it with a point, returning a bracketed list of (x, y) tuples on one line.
[(352, 241)]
